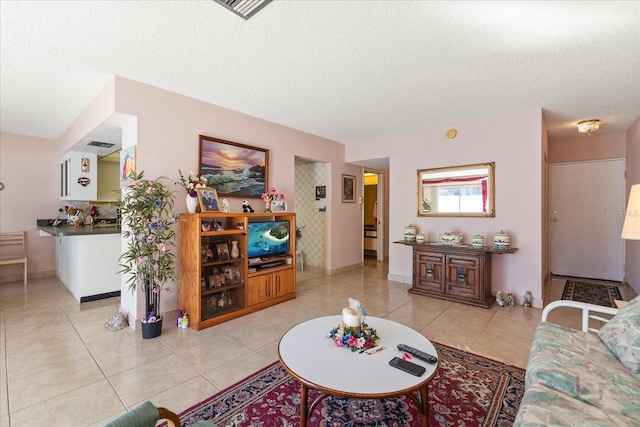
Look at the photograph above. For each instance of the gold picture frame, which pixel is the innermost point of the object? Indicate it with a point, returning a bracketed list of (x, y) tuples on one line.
[(248, 165), (208, 199)]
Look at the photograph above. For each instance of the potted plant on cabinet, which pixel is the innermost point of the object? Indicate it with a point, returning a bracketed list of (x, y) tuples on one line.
[(147, 207)]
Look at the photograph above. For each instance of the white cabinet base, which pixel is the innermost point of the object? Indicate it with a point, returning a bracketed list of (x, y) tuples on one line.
[(88, 265)]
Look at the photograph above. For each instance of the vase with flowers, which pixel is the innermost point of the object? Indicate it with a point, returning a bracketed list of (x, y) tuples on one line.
[(191, 183), (147, 207), (270, 197)]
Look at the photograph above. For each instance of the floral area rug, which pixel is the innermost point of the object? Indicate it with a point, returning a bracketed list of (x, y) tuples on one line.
[(599, 294), (468, 390)]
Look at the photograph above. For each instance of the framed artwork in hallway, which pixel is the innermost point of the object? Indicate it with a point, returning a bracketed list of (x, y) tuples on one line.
[(348, 188)]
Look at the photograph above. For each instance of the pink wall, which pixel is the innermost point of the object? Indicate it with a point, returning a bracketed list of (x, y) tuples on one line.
[(585, 147), (29, 169), (632, 247), (98, 110), (168, 126), (514, 143)]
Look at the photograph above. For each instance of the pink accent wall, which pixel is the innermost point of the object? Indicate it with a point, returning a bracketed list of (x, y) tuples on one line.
[(632, 247), (584, 147), (99, 109), (168, 126), (514, 143), (30, 172)]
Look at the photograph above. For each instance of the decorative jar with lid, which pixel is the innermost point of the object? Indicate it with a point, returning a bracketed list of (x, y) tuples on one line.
[(477, 241), (410, 232), (501, 240)]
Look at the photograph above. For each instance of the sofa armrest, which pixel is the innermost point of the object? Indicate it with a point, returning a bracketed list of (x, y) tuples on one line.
[(589, 311)]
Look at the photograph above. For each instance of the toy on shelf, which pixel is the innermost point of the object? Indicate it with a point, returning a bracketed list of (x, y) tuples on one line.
[(246, 207)]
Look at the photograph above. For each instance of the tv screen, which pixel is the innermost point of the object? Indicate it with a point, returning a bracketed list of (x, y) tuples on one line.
[(268, 238)]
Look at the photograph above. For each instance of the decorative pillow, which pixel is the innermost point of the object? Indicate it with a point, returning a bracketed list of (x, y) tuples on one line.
[(622, 335)]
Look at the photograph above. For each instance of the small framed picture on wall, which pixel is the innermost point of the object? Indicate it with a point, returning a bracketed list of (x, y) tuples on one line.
[(348, 189)]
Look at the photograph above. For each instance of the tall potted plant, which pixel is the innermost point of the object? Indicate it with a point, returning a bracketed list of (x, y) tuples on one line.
[(147, 207)]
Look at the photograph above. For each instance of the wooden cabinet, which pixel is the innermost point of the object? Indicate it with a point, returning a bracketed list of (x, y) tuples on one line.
[(267, 286), (457, 273), (215, 286)]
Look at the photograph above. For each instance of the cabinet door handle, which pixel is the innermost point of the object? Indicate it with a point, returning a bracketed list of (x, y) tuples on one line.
[(462, 275)]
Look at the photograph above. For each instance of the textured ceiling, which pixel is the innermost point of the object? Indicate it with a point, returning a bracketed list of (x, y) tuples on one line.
[(344, 70)]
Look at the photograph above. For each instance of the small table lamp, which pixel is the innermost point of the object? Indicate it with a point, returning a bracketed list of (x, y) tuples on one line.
[(631, 227)]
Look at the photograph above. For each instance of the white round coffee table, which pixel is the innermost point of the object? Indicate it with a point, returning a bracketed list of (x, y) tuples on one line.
[(317, 363)]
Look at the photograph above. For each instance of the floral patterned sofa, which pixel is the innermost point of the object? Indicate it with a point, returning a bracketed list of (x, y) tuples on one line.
[(584, 378)]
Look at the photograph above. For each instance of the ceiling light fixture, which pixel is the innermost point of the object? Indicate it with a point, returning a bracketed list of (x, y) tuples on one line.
[(588, 126), (244, 8)]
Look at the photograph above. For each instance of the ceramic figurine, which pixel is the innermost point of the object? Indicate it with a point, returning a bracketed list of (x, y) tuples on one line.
[(246, 207), (510, 300), (527, 299), (499, 299), (225, 206)]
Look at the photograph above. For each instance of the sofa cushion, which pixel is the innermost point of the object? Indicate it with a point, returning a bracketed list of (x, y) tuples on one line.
[(542, 406), (622, 334), (579, 365)]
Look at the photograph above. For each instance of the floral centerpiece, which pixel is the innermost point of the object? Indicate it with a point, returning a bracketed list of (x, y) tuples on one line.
[(354, 338), (192, 182), (147, 207), (353, 332), (269, 197)]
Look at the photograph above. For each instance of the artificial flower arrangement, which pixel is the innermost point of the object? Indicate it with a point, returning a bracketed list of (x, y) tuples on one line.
[(192, 183), (354, 338), (148, 219), (354, 334), (269, 197)]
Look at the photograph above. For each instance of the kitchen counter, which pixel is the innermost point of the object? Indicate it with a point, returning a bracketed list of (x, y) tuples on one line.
[(87, 259), (70, 230)]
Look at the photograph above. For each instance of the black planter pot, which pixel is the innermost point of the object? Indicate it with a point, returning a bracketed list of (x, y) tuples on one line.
[(152, 330)]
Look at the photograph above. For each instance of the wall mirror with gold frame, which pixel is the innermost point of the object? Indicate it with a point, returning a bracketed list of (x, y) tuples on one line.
[(466, 190)]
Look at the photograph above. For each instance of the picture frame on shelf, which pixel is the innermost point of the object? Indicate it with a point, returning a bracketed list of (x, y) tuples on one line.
[(222, 249), (208, 199), (348, 188), (207, 253), (232, 274), (217, 281), (248, 165), (278, 206)]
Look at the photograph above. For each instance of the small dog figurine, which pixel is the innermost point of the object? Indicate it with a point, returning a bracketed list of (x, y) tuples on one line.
[(246, 207), (510, 300)]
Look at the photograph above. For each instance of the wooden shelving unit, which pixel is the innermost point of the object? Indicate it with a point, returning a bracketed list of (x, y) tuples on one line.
[(214, 286)]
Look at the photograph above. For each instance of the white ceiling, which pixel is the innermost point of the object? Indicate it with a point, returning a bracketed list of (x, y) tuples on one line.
[(344, 70)]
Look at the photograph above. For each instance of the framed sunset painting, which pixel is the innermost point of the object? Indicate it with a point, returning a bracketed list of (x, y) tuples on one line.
[(233, 169)]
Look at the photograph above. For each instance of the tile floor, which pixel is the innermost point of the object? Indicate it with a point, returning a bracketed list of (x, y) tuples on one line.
[(60, 366)]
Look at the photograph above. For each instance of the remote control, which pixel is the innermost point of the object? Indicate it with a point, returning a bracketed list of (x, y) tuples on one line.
[(429, 358)]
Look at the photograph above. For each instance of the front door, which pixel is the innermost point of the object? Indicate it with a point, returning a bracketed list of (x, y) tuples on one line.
[(586, 205)]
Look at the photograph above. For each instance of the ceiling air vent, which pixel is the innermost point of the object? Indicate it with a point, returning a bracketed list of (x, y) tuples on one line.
[(101, 144), (244, 8)]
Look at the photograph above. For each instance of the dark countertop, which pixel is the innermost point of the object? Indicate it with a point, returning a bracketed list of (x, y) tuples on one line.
[(70, 230)]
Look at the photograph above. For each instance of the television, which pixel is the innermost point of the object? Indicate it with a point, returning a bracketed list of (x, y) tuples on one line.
[(268, 238)]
